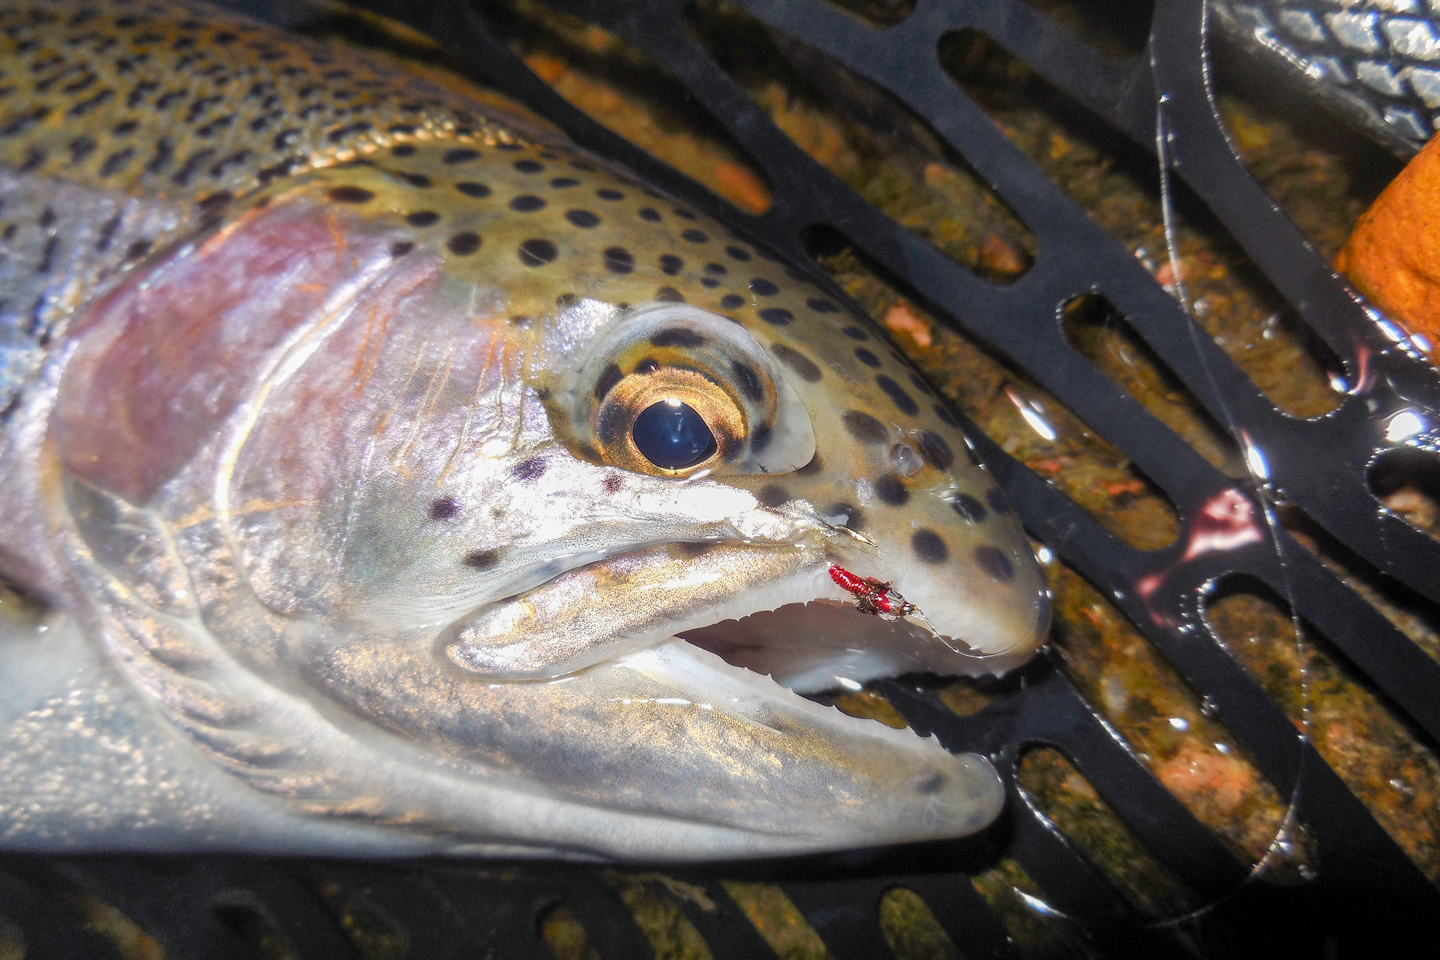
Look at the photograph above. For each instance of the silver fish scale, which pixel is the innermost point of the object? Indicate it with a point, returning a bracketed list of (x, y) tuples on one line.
[(58, 244), (1378, 60)]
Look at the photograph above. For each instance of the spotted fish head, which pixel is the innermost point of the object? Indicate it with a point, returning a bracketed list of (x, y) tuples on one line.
[(468, 429)]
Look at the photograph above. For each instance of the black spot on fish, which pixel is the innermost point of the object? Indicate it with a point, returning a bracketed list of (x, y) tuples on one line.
[(798, 362), (80, 148), (116, 162), (855, 333), (696, 236), (285, 138), (732, 301), (422, 218), (477, 190), (683, 214), (612, 483), (582, 218), (865, 428), (34, 159), (747, 380), (994, 562), (235, 159), (561, 183), (509, 147), (762, 287), (47, 218), (773, 495), (608, 194), (709, 283), (610, 376), (138, 249), (534, 253), (350, 130), (669, 295), (126, 127), (85, 106), (619, 260), (813, 467), (211, 207), (929, 547), (566, 300), (47, 257), (400, 248), (531, 468), (776, 316), (822, 306), (902, 400), (650, 214), (464, 243), (856, 516), (762, 438), (946, 417), (919, 384), (528, 166), (527, 203), (444, 509), (997, 502), (969, 508), (677, 337), (351, 195), (647, 366), (481, 559), (459, 155), (107, 233), (414, 179), (670, 264), (937, 452), (24, 122), (891, 490), (866, 357)]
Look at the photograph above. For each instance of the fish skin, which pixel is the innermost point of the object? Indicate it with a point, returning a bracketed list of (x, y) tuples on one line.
[(319, 448), (1375, 62)]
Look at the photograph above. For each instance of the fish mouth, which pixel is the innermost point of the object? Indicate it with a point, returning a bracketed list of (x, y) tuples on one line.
[(774, 611), (825, 645)]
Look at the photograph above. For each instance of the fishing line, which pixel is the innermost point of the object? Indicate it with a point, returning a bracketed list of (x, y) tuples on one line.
[(1256, 466)]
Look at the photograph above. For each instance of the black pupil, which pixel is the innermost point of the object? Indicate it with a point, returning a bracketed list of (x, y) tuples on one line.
[(672, 435)]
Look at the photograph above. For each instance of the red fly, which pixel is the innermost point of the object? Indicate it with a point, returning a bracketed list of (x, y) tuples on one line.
[(872, 596)]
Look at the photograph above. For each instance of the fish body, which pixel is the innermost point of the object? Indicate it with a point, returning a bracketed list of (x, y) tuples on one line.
[(403, 479), (1376, 61)]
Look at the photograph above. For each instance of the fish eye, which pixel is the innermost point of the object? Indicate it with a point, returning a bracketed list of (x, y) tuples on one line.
[(672, 435), (668, 389)]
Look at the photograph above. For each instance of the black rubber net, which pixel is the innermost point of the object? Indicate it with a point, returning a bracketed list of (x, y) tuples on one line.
[(1328, 878)]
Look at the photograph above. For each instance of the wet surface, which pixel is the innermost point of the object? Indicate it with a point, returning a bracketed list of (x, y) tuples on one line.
[(889, 158)]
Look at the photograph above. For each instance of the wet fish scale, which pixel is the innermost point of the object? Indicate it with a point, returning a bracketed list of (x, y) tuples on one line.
[(327, 430), (179, 113)]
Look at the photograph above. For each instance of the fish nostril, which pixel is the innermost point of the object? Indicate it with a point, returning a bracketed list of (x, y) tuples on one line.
[(906, 460)]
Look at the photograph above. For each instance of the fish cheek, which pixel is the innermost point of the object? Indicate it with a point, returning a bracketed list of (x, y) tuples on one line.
[(164, 361), (373, 453)]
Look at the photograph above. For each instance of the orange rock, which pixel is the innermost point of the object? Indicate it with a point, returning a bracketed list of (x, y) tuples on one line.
[(902, 321), (1393, 257), (741, 187), (546, 68), (1000, 256)]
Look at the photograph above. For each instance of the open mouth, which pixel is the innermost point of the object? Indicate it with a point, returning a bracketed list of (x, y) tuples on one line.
[(826, 644), (776, 612)]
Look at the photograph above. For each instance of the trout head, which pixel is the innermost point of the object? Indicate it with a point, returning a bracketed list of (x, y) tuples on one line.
[(496, 468)]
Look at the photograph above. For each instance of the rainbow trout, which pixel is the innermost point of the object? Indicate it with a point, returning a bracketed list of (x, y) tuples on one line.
[(401, 479)]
